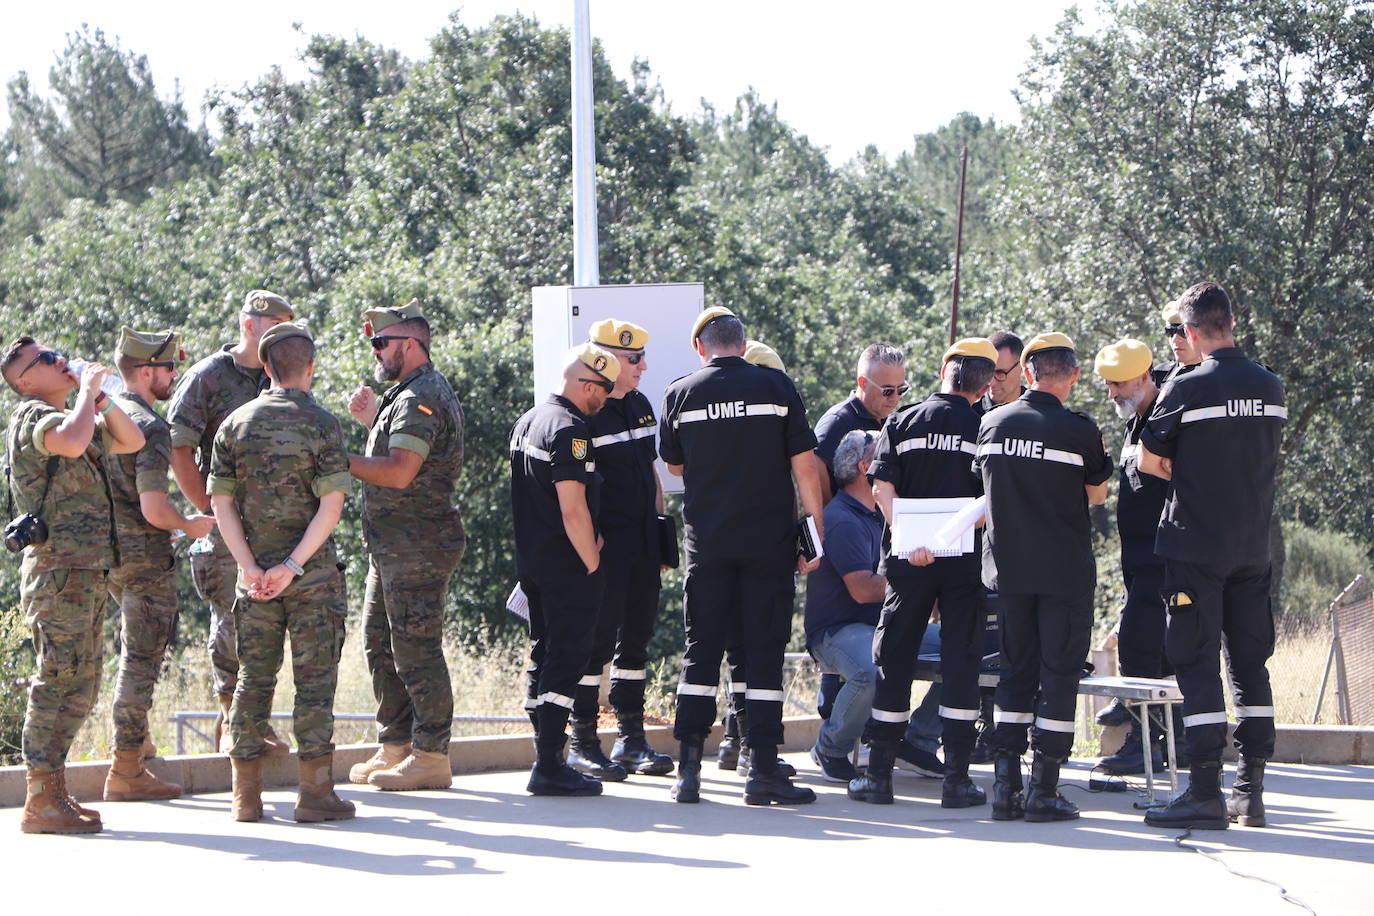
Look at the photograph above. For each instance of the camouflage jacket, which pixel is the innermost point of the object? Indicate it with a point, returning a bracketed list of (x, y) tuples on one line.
[(420, 413), (277, 455), (211, 390), (139, 472), (77, 511)]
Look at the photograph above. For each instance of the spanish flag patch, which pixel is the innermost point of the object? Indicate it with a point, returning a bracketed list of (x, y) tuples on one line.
[(425, 409)]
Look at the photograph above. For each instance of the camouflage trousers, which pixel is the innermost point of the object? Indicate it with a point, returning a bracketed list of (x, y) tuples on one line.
[(403, 641), (65, 608), (215, 575), (146, 591), (312, 610)]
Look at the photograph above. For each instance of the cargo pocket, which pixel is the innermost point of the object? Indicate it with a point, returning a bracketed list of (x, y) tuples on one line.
[(1181, 635)]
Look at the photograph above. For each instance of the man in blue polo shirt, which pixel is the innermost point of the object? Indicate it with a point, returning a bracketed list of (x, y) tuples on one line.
[(843, 599)]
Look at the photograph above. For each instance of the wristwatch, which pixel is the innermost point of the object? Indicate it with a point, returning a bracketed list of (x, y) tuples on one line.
[(293, 566)]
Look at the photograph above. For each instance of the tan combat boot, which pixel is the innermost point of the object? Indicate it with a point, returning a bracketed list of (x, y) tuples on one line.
[(387, 756), (46, 809), (61, 776), (247, 788), (129, 780), (421, 770), (317, 801), (149, 750), (276, 747)]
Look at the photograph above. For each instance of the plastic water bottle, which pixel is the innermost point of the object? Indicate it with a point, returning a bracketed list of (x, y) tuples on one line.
[(112, 384)]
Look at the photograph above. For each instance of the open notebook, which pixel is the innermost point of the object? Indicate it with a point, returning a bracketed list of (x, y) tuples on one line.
[(943, 526)]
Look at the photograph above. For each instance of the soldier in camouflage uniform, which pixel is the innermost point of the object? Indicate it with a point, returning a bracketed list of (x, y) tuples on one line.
[(211, 390), (415, 540), (278, 480), (56, 458), (144, 582)]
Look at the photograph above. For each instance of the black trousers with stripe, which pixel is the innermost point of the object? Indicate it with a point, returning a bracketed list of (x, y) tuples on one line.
[(1140, 638), (1045, 639), (1230, 603), (624, 626), (562, 624), (756, 594), (956, 584)]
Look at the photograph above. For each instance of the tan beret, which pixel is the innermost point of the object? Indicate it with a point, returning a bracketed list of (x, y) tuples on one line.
[(618, 335), (760, 354), (600, 361), (705, 318), (379, 319), (1124, 360), (979, 347), (1050, 340), (279, 332), (263, 303), (149, 346)]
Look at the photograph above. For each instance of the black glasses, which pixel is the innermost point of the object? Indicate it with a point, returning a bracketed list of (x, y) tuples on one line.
[(1172, 330), (888, 391), (1001, 374), (600, 383), (46, 357), (634, 359), (379, 343)]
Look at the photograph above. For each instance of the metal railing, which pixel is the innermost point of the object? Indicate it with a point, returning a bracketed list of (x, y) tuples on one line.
[(184, 720)]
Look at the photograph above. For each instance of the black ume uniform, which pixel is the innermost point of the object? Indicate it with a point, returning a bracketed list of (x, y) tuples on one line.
[(551, 443), (1139, 503), (1221, 425), (926, 451), (735, 428), (1036, 456), (623, 445)]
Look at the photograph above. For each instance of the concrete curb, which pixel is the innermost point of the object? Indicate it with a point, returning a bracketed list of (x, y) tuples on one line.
[(204, 773)]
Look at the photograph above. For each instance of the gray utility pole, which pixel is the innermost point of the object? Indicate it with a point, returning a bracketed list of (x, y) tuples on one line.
[(586, 268)]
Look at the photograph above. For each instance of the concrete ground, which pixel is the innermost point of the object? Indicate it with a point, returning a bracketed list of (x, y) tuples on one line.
[(632, 850)]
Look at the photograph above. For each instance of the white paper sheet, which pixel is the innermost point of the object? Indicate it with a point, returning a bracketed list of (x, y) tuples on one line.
[(942, 526)]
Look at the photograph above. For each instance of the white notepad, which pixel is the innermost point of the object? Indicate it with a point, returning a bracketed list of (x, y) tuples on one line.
[(942, 526)]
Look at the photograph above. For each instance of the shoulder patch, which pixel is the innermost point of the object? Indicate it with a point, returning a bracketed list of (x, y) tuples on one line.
[(425, 409), (579, 449)]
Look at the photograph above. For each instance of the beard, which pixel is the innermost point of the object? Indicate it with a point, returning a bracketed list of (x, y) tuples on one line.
[(386, 372), (1127, 407)]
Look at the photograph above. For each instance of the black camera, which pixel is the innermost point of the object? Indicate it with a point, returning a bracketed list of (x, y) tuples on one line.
[(25, 530)]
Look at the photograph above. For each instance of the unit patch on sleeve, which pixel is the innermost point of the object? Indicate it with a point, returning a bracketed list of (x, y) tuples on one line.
[(579, 449)]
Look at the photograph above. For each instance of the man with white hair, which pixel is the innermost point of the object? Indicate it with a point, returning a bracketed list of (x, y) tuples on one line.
[(878, 388)]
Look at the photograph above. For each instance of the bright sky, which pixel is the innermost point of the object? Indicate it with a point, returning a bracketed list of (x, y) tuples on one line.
[(846, 74)]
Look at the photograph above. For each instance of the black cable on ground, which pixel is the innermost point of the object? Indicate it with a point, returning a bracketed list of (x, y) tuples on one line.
[(1216, 857)]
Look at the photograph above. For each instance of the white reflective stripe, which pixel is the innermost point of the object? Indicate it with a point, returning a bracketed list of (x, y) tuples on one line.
[(628, 435), (590, 680), (1204, 718), (969, 447), (1276, 410), (739, 688), (882, 715), (768, 696), (990, 448), (765, 410), (628, 674), (1203, 413), (696, 690), (591, 467), (556, 699), (1254, 712), (1063, 457), (530, 703), (954, 712), (1054, 725), (522, 445), (1000, 715), (689, 416), (908, 444)]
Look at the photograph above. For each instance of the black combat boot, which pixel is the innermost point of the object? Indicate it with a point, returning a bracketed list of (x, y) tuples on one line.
[(958, 790), (875, 785), (687, 789), (768, 784), (1043, 801), (1129, 759), (1007, 801), (1200, 806), (1246, 804), (982, 746), (551, 774), (633, 752), (727, 754), (1115, 713), (586, 755)]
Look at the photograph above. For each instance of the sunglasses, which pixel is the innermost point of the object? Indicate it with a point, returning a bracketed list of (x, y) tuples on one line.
[(46, 357), (380, 343), (600, 383), (888, 391), (634, 359), (1172, 330), (160, 364)]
